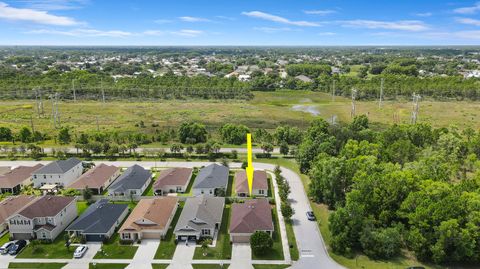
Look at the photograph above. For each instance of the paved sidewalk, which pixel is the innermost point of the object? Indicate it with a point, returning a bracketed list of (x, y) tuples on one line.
[(283, 229)]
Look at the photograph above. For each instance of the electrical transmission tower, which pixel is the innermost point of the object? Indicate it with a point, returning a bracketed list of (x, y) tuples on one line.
[(333, 91), (74, 91), (416, 99), (55, 114), (38, 102), (380, 101), (354, 95)]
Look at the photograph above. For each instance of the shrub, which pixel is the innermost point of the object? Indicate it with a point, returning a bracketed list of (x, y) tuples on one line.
[(261, 242)]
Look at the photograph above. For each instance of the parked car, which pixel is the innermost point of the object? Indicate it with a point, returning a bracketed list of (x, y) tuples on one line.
[(6, 247), (80, 251), (310, 215), (17, 247)]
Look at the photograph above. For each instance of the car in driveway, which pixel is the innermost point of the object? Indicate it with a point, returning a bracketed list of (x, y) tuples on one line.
[(310, 216), (6, 247), (17, 247), (80, 251)]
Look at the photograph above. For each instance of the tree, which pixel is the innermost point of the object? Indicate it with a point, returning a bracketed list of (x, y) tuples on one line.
[(5, 134), (381, 243), (205, 244), (284, 149), (87, 194), (176, 148), (192, 133), (64, 136), (287, 210), (261, 242), (25, 135), (267, 148), (234, 134)]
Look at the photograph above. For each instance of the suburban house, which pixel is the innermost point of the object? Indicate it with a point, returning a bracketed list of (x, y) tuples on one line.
[(14, 180), (96, 179), (60, 173), (259, 184), (172, 180), (99, 221), (201, 217), (211, 181), (44, 218), (150, 219), (249, 217), (10, 206), (132, 182)]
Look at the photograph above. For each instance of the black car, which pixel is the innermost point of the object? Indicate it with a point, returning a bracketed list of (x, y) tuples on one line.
[(19, 245), (310, 216)]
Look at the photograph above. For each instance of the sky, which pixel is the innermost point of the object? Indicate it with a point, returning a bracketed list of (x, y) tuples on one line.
[(239, 23)]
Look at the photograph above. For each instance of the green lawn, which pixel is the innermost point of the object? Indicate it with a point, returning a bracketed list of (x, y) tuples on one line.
[(81, 207), (210, 266), (271, 266), (149, 190), (223, 248), (114, 250), (54, 250), (270, 185), (230, 188), (292, 241), (26, 265), (189, 192), (159, 266), (107, 265), (4, 239), (167, 246), (276, 253)]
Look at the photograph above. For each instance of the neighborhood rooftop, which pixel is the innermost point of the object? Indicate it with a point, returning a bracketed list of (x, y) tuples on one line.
[(133, 178), (48, 205), (12, 204), (173, 176), (95, 178), (259, 181), (253, 215), (151, 214), (17, 175), (58, 167), (201, 212), (98, 218), (212, 176)]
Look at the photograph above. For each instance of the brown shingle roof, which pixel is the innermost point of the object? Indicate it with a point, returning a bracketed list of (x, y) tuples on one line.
[(12, 204), (259, 181), (17, 176), (156, 210), (253, 215), (173, 176), (95, 178), (46, 206)]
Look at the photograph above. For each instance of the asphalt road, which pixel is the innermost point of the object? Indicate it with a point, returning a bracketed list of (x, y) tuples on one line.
[(141, 149), (313, 253)]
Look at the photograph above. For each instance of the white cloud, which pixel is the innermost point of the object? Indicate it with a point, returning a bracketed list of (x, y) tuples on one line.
[(83, 33), (327, 34), (474, 34), (468, 21), (274, 18), (322, 12), (162, 21), (188, 32), (31, 15), (272, 29), (193, 19), (413, 26), (54, 4), (424, 14), (468, 10)]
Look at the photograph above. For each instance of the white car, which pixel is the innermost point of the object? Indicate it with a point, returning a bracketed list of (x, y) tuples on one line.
[(80, 251), (6, 247)]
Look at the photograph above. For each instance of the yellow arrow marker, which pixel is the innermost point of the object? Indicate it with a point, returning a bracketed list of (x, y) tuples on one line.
[(249, 169)]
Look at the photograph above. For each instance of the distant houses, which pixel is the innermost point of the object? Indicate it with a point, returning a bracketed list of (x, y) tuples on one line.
[(60, 173), (132, 182), (99, 221), (259, 184), (13, 181), (45, 218), (11, 205), (150, 219), (201, 218), (172, 180), (96, 179), (211, 180), (249, 217)]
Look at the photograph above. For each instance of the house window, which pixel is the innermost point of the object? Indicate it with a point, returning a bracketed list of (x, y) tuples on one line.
[(261, 192), (126, 236), (44, 235), (202, 191), (44, 176), (211, 192), (179, 189), (206, 232)]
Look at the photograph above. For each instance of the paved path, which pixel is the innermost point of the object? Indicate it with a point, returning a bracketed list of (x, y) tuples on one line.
[(313, 253), (183, 256), (145, 254), (167, 149), (241, 256), (281, 220)]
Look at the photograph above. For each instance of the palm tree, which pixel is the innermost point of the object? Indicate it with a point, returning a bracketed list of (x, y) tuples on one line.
[(205, 244)]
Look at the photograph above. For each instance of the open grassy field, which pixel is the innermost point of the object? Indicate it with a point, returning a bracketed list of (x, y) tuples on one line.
[(266, 110)]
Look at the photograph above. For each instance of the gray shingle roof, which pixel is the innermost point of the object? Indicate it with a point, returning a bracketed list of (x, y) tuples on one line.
[(212, 176), (58, 167), (98, 218), (200, 212), (132, 179)]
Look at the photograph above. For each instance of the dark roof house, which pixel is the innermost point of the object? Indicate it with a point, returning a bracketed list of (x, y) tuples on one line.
[(212, 177), (134, 179), (58, 167)]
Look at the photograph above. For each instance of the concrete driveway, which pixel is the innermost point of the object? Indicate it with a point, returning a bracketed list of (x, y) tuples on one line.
[(183, 256), (241, 256), (145, 254), (83, 262)]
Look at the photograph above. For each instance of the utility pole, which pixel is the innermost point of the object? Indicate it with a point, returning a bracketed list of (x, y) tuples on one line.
[(41, 102), (416, 99), (53, 111), (103, 91), (354, 109), (57, 115), (333, 91), (381, 94), (37, 103), (31, 124), (74, 92), (98, 127)]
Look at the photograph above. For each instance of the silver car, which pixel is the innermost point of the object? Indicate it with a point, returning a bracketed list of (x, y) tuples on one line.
[(6, 247), (80, 251)]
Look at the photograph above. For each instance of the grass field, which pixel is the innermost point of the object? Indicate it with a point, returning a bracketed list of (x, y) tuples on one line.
[(26, 265), (107, 265), (267, 110), (54, 250), (114, 250)]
